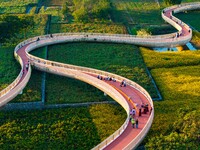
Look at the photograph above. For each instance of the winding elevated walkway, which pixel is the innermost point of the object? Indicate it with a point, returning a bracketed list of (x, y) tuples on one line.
[(131, 96)]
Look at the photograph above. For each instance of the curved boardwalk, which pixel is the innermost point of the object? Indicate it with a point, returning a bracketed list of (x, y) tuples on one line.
[(131, 96)]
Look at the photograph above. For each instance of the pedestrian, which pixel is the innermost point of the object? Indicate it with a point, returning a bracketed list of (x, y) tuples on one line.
[(122, 83), (113, 79), (140, 112), (130, 117), (133, 112), (26, 67), (136, 123), (133, 122)]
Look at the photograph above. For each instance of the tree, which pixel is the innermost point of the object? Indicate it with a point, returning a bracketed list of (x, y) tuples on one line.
[(185, 133), (143, 32), (87, 10), (65, 10), (172, 2)]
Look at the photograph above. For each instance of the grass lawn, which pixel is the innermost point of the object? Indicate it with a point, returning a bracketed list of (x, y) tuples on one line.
[(66, 128)]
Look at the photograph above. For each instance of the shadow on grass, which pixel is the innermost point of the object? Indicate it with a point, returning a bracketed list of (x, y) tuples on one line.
[(61, 89), (69, 128)]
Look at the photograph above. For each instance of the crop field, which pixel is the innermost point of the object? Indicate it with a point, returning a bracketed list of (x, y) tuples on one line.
[(12, 10), (53, 2), (8, 3), (55, 12), (180, 89), (137, 12), (60, 90), (89, 27), (170, 59), (15, 6), (177, 77), (59, 128), (140, 14)]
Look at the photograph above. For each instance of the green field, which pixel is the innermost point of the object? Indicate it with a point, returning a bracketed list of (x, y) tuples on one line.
[(66, 128), (170, 59), (15, 6), (138, 15), (89, 27), (177, 77), (124, 60)]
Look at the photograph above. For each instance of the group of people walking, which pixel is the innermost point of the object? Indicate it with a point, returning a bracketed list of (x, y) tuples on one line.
[(107, 78), (134, 121)]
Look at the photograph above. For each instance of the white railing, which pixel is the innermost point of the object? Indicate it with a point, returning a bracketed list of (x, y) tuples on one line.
[(14, 91), (15, 82)]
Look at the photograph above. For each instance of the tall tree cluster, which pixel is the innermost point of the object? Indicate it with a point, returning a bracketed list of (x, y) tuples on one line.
[(88, 10), (11, 25)]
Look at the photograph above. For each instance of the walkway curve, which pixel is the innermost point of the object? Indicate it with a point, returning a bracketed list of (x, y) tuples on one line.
[(131, 96)]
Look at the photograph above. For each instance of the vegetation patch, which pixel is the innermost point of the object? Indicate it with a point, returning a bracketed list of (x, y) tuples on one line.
[(12, 10), (136, 12), (8, 3), (179, 87), (170, 59), (66, 90), (177, 77), (59, 128), (124, 60), (16, 28), (88, 27)]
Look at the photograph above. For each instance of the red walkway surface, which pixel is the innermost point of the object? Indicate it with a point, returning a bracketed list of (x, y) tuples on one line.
[(130, 133), (21, 52), (185, 31)]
